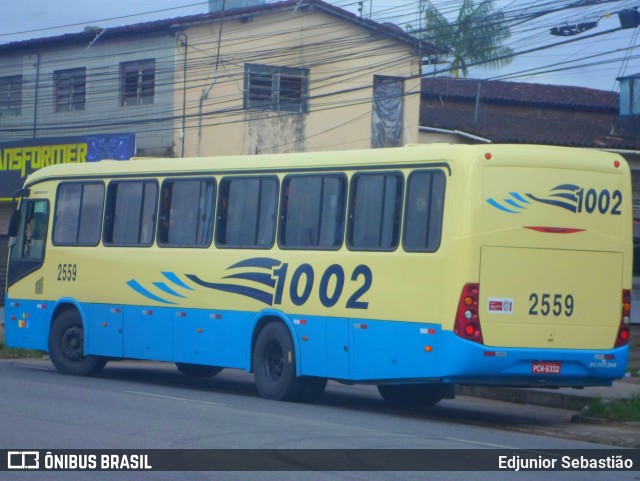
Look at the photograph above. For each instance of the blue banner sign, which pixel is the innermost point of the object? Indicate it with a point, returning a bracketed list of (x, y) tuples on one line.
[(21, 157)]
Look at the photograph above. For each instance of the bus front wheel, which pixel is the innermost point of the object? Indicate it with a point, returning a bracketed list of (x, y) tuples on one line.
[(274, 365), (407, 395), (66, 347)]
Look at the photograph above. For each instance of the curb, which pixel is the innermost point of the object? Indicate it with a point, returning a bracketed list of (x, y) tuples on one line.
[(582, 419), (538, 397)]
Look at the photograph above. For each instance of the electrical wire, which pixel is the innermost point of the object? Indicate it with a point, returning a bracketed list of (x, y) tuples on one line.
[(340, 60)]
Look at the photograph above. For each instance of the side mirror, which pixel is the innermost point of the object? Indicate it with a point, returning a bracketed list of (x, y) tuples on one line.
[(14, 223)]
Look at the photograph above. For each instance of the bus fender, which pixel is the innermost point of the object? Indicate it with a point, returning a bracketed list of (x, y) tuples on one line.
[(262, 318), (62, 305)]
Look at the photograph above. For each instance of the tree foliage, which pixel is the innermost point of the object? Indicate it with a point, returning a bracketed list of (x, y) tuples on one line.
[(476, 36)]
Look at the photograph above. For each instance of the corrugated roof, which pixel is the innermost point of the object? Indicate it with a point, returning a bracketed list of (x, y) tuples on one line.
[(497, 91), (388, 30), (515, 112)]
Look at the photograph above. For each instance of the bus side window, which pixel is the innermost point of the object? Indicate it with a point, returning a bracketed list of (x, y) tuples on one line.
[(375, 211), (164, 214), (424, 210), (247, 212), (131, 205), (78, 213), (312, 211), (186, 213)]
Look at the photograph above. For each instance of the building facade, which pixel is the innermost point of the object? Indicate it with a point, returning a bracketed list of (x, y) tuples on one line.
[(287, 76), (88, 83), (254, 78), (291, 77), (474, 111)]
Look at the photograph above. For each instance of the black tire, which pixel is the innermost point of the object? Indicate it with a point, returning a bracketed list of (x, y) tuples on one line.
[(274, 365), (197, 370), (408, 395), (66, 347), (313, 389)]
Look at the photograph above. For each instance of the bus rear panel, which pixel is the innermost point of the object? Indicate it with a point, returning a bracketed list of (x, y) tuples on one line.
[(554, 272)]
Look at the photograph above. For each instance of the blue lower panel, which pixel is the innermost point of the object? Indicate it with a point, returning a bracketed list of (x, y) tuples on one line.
[(394, 350), (362, 350), (368, 350), (212, 338), (147, 333), (104, 335), (338, 348), (27, 324), (338, 353)]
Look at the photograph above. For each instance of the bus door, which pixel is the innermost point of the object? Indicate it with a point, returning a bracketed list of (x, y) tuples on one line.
[(26, 320)]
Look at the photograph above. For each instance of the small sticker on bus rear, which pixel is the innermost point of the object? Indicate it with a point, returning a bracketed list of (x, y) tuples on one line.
[(499, 305)]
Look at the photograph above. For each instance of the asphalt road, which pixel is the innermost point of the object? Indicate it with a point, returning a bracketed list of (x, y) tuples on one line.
[(150, 405)]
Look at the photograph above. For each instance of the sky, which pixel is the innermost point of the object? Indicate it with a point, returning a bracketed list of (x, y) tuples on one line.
[(592, 59)]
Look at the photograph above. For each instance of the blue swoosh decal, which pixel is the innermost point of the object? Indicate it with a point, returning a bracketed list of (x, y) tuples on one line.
[(513, 203), (133, 284), (265, 279), (260, 262), (173, 278), (498, 206), (571, 197), (556, 203), (163, 287), (257, 294), (519, 197), (572, 187)]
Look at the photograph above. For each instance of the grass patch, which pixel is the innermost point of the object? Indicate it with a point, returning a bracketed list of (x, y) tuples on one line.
[(16, 353), (618, 410)]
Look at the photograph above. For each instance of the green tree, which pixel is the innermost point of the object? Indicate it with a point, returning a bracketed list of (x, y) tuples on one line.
[(475, 37)]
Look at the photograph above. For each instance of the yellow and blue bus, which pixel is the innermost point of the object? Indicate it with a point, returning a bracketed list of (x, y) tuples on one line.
[(412, 268)]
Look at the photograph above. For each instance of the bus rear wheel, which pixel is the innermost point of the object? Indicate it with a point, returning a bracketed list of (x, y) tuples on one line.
[(66, 347), (411, 395), (197, 370), (274, 365)]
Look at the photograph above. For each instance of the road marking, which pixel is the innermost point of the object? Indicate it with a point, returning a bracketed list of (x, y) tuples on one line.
[(173, 398), (480, 443)]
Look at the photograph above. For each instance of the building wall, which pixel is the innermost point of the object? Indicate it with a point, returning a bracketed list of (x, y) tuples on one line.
[(342, 59), (103, 113)]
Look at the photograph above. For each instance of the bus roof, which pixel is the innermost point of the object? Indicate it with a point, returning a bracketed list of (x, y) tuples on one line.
[(545, 156)]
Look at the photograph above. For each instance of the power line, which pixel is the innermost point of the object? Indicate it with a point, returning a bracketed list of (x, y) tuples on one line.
[(109, 19), (275, 48)]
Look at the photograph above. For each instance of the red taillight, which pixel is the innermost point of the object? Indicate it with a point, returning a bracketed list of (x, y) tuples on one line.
[(622, 339), (624, 335), (467, 324)]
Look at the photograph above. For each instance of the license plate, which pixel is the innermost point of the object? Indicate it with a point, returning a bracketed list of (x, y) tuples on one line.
[(546, 367)]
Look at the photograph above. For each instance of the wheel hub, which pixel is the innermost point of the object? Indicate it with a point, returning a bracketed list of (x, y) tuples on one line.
[(73, 344), (275, 363)]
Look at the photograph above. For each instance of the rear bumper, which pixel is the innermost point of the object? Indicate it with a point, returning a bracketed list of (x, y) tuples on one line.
[(466, 362)]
